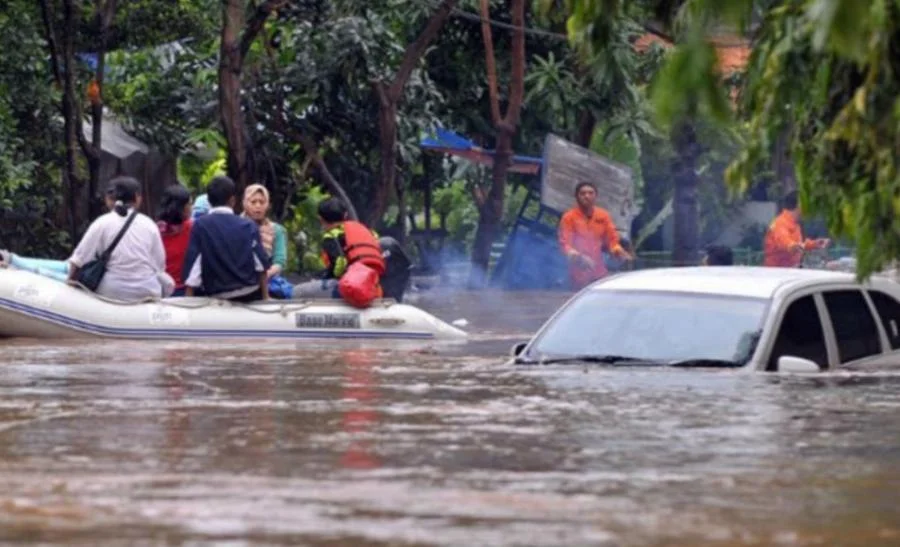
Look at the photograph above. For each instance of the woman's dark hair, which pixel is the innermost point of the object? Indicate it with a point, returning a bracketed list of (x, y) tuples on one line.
[(124, 190), (332, 210), (171, 207)]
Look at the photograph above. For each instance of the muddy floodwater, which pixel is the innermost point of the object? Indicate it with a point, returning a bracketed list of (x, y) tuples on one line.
[(177, 443)]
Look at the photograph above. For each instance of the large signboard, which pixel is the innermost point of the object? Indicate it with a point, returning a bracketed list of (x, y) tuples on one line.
[(566, 164)]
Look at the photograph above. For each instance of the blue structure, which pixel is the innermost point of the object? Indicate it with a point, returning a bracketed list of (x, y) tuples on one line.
[(447, 142), (531, 258)]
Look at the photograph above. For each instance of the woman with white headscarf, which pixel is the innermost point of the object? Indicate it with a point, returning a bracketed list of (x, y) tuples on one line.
[(273, 235)]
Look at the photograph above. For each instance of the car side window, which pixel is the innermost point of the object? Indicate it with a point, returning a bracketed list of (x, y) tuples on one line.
[(854, 327), (800, 334), (889, 311)]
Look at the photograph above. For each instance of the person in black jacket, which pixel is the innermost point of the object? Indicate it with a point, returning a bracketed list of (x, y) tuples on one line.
[(398, 268), (225, 257), (718, 255)]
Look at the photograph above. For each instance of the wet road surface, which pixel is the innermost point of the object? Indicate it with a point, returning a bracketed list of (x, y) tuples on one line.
[(174, 443)]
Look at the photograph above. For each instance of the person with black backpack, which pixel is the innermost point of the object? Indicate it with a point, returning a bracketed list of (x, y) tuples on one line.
[(121, 255)]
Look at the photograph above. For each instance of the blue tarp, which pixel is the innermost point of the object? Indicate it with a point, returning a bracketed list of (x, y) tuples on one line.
[(444, 140)]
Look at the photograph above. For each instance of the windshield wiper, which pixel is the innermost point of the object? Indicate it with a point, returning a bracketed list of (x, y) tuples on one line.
[(621, 359), (605, 359), (705, 363)]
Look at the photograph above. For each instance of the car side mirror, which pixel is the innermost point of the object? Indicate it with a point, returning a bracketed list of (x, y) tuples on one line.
[(789, 363), (517, 349)]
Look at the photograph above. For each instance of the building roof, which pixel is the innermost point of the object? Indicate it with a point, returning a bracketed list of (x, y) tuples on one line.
[(733, 52)]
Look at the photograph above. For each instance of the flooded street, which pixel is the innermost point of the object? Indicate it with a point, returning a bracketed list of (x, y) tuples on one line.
[(174, 443)]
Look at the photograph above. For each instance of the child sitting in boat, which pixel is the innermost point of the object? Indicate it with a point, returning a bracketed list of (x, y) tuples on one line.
[(175, 228), (225, 257)]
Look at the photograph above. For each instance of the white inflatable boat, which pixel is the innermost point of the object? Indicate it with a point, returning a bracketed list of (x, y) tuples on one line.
[(36, 306)]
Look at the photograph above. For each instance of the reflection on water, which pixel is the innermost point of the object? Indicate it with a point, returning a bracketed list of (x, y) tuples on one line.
[(350, 444)]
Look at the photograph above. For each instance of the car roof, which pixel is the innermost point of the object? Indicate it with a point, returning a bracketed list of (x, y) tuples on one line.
[(746, 281)]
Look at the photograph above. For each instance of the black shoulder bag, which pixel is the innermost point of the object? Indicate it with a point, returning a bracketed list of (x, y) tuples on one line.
[(91, 274)]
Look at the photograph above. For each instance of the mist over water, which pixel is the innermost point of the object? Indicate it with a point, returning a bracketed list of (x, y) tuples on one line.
[(324, 443)]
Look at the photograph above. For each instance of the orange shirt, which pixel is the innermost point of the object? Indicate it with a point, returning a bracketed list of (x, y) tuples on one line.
[(784, 233), (587, 236)]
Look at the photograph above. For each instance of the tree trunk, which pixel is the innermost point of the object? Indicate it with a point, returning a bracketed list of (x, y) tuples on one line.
[(586, 129), (104, 16), (686, 208), (401, 214), (331, 183), (387, 138), (95, 204), (783, 168), (70, 173), (230, 65), (389, 96), (70, 121), (491, 210), (237, 37), (490, 214)]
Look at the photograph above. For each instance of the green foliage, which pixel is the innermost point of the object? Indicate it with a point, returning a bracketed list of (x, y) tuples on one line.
[(688, 86), (30, 189), (305, 221), (167, 92), (618, 147), (455, 203), (822, 74), (311, 72)]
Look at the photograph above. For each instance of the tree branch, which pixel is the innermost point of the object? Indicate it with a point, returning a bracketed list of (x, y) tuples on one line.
[(70, 28), (381, 91), (50, 36), (416, 50), (517, 79), (255, 25), (478, 195), (490, 61), (650, 28), (309, 146), (104, 17), (107, 13)]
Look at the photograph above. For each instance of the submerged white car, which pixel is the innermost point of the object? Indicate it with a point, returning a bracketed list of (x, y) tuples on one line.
[(771, 319)]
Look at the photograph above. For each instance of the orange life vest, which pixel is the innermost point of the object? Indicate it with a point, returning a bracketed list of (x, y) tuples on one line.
[(360, 245)]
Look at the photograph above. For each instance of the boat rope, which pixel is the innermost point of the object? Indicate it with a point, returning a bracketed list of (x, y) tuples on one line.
[(267, 307)]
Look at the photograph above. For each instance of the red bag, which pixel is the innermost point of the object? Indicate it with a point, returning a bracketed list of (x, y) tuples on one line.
[(359, 285)]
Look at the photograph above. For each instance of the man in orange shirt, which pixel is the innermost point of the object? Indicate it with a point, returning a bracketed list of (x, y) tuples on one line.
[(784, 244), (584, 231)]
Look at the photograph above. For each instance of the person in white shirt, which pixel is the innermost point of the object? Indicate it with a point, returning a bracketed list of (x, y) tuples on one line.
[(137, 266)]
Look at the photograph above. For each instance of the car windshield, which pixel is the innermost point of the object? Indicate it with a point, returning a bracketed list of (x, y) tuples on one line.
[(654, 325)]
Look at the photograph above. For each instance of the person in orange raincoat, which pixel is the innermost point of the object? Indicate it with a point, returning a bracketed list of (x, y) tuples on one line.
[(584, 231), (784, 244)]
